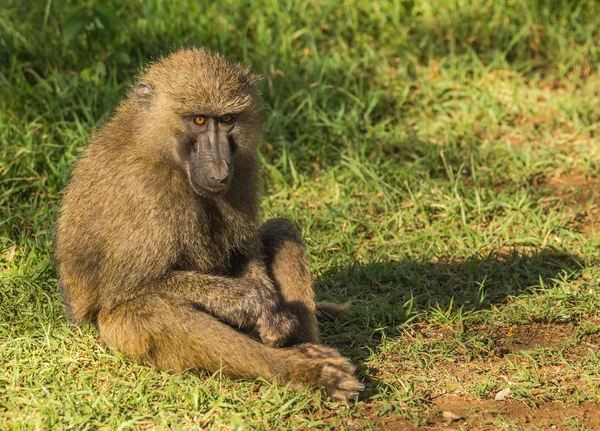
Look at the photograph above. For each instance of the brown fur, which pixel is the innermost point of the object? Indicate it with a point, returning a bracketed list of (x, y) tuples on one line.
[(176, 279)]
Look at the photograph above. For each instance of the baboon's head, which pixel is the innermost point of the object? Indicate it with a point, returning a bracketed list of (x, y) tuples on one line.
[(199, 112)]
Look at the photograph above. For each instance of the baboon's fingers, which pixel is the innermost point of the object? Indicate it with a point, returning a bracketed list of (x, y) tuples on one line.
[(277, 329)]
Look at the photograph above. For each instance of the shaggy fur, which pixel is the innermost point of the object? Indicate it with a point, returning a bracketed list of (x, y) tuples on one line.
[(176, 279)]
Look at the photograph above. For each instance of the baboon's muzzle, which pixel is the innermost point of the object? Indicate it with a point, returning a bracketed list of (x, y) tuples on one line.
[(210, 165)]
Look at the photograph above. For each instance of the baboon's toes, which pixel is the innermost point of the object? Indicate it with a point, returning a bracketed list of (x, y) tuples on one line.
[(317, 351), (324, 366), (342, 364), (340, 384)]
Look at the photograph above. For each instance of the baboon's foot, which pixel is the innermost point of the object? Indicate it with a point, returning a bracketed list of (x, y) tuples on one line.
[(324, 366), (317, 351), (337, 376)]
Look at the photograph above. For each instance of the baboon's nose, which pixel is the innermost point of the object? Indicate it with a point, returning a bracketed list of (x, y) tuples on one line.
[(219, 172)]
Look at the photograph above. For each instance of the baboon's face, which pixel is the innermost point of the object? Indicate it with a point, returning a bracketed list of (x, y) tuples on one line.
[(201, 113), (206, 151)]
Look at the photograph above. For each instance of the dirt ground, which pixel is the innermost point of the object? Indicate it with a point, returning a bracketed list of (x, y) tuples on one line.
[(457, 413), (581, 197)]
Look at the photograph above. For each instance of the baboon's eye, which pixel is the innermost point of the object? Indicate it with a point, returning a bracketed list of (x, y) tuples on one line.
[(200, 120), (227, 118)]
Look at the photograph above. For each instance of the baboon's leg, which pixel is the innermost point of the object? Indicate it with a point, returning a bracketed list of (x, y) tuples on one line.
[(287, 264), (173, 335)]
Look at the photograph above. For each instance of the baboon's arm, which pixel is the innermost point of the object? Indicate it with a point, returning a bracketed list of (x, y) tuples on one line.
[(244, 302), (249, 300)]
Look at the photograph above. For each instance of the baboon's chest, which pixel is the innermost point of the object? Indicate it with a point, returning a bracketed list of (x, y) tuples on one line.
[(208, 238)]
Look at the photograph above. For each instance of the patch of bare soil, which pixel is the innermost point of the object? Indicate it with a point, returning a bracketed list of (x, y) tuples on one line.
[(575, 188), (530, 336), (483, 414), (513, 338), (581, 196), (450, 408), (454, 412)]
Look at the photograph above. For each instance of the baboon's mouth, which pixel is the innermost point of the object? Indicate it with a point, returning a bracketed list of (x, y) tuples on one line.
[(206, 190), (209, 192)]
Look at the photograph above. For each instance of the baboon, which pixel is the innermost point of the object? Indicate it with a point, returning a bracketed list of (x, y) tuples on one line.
[(159, 242)]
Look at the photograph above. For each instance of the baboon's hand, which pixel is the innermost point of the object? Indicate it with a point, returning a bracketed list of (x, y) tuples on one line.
[(324, 366), (276, 327), (275, 324)]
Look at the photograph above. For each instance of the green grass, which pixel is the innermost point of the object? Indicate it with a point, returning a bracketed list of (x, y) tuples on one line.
[(441, 159)]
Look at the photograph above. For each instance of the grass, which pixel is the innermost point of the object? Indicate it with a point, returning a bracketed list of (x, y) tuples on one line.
[(441, 159)]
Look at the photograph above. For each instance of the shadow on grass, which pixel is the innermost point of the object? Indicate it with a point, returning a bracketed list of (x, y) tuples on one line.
[(388, 294)]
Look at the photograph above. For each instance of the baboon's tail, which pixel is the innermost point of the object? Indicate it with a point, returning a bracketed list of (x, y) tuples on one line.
[(333, 309)]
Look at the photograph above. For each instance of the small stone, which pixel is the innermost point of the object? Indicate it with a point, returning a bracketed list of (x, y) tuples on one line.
[(503, 394), (451, 417)]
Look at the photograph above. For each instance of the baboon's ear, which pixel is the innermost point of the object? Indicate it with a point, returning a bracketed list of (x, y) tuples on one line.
[(143, 93)]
